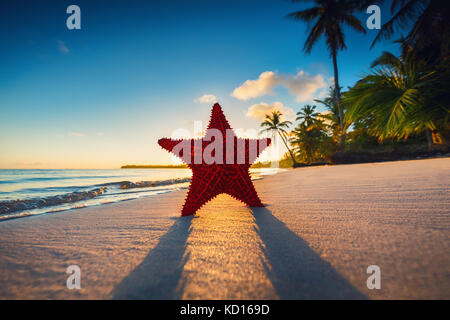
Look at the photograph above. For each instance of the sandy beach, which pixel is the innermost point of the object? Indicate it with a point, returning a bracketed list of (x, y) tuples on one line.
[(320, 230)]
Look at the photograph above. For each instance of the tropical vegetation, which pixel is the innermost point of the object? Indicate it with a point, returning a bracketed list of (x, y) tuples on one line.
[(402, 103)]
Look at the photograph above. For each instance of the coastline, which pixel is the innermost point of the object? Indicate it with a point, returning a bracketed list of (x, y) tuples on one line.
[(322, 227), (102, 187)]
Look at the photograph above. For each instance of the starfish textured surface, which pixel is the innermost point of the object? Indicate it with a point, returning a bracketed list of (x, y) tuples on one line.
[(229, 175)]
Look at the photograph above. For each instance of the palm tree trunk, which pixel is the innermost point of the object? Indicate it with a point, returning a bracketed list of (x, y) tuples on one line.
[(295, 164), (429, 138), (337, 91)]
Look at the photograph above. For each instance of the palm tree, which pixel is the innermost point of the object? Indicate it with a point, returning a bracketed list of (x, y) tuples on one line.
[(403, 97), (307, 115), (328, 17), (429, 30), (274, 124), (332, 116), (311, 142)]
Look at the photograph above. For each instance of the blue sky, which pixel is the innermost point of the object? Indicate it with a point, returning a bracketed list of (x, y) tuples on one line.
[(101, 96)]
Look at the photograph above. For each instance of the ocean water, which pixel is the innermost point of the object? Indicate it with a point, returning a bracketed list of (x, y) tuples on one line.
[(31, 192)]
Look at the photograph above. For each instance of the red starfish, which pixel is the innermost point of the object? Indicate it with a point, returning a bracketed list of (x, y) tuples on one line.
[(226, 173)]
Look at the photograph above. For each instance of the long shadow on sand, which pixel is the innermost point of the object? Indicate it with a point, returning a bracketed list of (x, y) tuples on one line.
[(295, 270), (158, 276)]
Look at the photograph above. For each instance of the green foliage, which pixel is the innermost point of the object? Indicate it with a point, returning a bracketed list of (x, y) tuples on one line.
[(312, 144), (307, 115), (395, 108), (328, 18), (310, 138), (401, 97), (360, 139), (273, 124), (426, 23), (331, 116)]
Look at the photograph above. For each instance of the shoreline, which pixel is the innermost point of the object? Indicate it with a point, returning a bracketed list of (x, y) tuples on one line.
[(321, 228), (100, 194)]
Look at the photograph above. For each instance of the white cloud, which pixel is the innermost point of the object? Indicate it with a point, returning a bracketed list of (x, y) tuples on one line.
[(302, 85), (206, 98), (258, 111), (62, 47), (256, 88)]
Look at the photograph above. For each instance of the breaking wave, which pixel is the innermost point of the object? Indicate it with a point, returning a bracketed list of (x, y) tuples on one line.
[(36, 191), (12, 206)]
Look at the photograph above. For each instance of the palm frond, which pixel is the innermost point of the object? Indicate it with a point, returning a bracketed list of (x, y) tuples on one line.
[(353, 22), (305, 15), (400, 19)]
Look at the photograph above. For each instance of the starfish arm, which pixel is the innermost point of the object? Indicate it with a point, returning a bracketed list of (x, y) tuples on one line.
[(185, 149), (168, 144), (218, 120), (205, 185), (250, 149), (242, 189)]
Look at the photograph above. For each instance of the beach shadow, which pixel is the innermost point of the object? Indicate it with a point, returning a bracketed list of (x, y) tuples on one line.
[(159, 274), (295, 270)]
